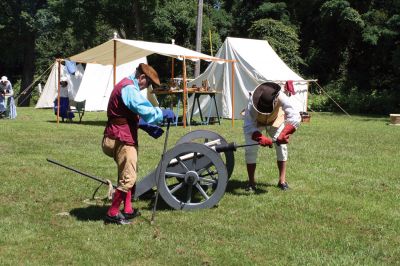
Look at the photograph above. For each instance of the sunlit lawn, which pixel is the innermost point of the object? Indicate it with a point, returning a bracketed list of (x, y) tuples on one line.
[(342, 208)]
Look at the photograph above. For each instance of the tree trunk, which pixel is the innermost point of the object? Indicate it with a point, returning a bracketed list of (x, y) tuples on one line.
[(199, 29), (138, 21), (28, 69)]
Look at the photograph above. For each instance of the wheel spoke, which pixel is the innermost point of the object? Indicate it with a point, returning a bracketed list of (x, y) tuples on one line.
[(172, 191), (189, 193), (202, 191), (210, 173), (182, 164), (178, 175), (212, 181), (194, 160)]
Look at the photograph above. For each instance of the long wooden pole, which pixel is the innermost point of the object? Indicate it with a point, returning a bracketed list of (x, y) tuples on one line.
[(233, 93), (59, 90), (184, 92), (115, 64), (213, 59), (172, 69), (211, 48)]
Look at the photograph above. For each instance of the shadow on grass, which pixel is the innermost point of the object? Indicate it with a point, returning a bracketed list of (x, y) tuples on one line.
[(101, 123), (236, 187), (150, 197), (90, 213)]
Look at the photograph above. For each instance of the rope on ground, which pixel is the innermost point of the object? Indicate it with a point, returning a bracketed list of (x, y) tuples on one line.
[(96, 200), (30, 86), (332, 99)]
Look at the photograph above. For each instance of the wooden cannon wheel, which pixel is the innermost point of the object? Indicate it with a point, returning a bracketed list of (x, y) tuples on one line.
[(193, 176)]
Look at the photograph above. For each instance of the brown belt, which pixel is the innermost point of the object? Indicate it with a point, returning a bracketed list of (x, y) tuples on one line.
[(118, 121)]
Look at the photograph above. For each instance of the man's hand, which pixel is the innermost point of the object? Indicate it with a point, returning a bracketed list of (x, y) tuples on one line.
[(153, 130), (261, 139), (285, 134), (168, 114)]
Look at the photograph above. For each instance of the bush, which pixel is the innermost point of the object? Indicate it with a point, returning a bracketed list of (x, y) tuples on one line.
[(354, 101)]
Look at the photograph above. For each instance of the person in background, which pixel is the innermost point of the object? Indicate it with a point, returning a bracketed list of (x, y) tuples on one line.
[(127, 110), (269, 109), (65, 109), (6, 99)]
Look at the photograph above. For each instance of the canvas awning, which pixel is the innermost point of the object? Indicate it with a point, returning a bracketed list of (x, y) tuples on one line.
[(129, 50), (119, 51)]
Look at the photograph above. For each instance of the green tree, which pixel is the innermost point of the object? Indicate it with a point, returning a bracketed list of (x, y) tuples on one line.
[(282, 38), (19, 25), (176, 20)]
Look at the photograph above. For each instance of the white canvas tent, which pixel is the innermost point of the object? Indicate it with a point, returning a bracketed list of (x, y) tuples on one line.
[(97, 84), (256, 63), (93, 85), (49, 93)]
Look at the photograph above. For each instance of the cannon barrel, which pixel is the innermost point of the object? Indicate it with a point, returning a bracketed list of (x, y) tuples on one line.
[(232, 146)]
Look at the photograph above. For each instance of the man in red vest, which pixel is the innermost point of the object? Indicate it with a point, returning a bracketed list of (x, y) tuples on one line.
[(125, 107)]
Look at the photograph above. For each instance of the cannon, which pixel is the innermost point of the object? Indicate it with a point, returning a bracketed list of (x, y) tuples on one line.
[(192, 175)]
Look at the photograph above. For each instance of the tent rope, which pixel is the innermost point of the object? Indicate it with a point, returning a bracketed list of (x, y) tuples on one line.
[(30, 86), (332, 99)]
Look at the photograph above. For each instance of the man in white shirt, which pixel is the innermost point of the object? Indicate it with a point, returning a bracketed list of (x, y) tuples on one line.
[(269, 109)]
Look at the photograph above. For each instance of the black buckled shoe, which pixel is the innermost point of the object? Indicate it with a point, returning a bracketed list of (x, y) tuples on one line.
[(117, 219), (250, 188), (134, 214), (283, 186)]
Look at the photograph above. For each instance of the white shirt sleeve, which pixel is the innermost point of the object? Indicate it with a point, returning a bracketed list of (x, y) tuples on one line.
[(250, 119), (292, 116)]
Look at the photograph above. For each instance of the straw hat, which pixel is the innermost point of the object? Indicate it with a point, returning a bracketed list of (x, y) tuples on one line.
[(151, 73)]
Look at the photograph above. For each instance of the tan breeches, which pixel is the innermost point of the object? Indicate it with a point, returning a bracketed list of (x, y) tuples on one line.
[(126, 158)]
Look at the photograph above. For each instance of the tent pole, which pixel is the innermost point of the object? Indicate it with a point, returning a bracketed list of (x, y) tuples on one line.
[(184, 93), (172, 69), (308, 84), (59, 90), (233, 93), (211, 48), (115, 64)]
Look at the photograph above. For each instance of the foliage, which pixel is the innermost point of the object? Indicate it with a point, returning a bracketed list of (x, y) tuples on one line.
[(342, 192), (177, 20), (277, 34), (318, 103), (352, 44)]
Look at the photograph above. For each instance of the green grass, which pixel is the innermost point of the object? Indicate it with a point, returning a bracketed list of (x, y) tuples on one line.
[(342, 208)]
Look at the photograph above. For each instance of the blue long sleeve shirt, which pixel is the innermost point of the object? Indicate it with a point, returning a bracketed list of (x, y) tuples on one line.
[(138, 104)]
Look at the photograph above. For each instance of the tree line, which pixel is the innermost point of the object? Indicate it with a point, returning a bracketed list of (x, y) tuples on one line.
[(351, 47)]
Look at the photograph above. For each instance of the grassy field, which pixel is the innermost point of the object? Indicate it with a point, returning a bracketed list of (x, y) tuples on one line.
[(342, 208)]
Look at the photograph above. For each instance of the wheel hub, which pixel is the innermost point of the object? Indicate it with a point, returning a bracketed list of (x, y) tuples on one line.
[(191, 178)]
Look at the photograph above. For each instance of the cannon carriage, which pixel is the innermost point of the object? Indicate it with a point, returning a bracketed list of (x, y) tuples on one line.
[(193, 175)]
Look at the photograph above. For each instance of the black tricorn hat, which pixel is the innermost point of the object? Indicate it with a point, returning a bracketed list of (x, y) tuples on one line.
[(264, 96)]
